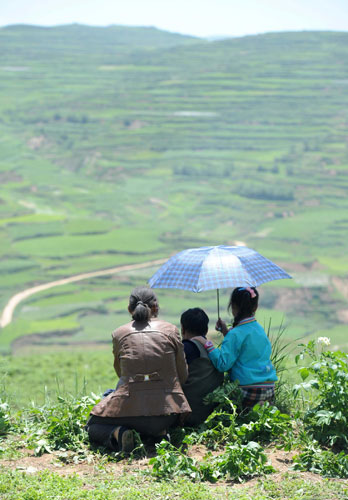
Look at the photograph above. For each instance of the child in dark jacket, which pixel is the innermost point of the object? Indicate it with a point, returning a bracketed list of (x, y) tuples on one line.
[(203, 377)]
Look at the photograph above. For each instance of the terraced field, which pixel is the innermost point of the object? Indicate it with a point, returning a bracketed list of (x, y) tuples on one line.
[(121, 146)]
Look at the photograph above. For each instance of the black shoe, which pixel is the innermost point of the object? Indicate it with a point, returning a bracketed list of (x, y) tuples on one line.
[(124, 438)]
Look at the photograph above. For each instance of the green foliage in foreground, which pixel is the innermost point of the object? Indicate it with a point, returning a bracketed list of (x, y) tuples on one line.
[(324, 462), (237, 462), (326, 420), (231, 441), (263, 424), (60, 426)]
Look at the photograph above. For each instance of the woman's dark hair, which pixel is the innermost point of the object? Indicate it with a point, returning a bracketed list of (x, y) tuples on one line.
[(246, 300), (195, 321), (141, 301)]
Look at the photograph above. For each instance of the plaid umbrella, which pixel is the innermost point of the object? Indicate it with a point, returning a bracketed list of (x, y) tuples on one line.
[(207, 268)]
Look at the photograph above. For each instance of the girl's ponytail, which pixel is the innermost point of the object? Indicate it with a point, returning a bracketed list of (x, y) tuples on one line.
[(246, 301)]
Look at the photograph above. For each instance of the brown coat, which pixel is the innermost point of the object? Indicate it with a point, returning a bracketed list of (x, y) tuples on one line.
[(150, 361)]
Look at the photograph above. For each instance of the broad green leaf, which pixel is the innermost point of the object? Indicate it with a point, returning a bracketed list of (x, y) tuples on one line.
[(304, 372)]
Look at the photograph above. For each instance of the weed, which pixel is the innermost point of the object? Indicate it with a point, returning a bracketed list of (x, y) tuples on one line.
[(226, 395), (324, 462), (238, 462), (171, 461), (281, 349), (265, 424), (59, 426)]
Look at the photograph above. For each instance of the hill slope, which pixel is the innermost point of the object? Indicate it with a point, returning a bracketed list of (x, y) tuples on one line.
[(119, 147)]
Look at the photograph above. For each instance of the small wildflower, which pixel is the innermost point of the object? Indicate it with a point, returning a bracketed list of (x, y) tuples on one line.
[(323, 340)]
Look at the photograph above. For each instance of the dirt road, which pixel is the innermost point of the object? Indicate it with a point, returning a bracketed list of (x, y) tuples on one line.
[(8, 311)]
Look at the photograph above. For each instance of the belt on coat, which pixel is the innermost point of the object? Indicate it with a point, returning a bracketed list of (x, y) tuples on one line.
[(145, 377)]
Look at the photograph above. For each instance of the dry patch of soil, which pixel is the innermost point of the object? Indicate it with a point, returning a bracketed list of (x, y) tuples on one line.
[(61, 463), (36, 142), (10, 176)]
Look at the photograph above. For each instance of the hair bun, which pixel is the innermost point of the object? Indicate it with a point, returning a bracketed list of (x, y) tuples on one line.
[(144, 297)]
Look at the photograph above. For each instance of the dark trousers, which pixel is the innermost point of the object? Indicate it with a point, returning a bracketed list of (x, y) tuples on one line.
[(100, 429)]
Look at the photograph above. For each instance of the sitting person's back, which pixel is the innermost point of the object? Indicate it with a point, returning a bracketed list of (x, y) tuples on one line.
[(203, 377), (150, 362)]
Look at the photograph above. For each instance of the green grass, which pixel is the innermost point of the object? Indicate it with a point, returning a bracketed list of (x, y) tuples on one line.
[(41, 377), (18, 485), (121, 240), (47, 327)]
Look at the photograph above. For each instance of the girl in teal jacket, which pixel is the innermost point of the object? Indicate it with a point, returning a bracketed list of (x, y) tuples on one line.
[(246, 350)]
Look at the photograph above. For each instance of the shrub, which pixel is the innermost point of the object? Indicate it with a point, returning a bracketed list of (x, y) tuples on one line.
[(60, 426), (265, 423), (241, 461), (327, 419), (265, 191)]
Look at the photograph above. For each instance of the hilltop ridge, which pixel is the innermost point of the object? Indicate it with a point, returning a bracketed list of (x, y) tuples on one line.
[(145, 37)]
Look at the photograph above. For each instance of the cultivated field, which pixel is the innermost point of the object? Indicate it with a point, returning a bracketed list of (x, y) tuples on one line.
[(121, 146)]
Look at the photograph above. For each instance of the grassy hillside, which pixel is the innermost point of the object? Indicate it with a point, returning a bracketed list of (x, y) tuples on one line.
[(122, 145)]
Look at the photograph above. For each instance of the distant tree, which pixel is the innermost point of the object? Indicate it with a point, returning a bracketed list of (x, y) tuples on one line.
[(228, 170), (77, 119), (190, 171), (72, 119), (265, 191)]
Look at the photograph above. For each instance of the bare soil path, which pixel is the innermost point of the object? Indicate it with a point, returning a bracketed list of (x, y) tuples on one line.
[(8, 311)]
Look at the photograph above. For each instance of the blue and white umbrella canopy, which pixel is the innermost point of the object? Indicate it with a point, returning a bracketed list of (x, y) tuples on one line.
[(207, 268)]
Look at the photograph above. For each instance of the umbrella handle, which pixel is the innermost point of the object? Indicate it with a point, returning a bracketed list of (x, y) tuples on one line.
[(218, 302)]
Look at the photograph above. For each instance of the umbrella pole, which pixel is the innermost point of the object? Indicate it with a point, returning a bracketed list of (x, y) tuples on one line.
[(218, 302)]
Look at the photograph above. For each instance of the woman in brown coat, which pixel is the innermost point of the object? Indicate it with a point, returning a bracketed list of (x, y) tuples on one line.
[(150, 362)]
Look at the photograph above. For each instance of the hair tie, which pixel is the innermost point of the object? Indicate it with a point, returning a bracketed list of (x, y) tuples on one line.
[(139, 302), (251, 291)]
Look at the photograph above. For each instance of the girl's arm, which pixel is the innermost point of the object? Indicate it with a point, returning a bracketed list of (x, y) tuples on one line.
[(224, 358), (221, 327)]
